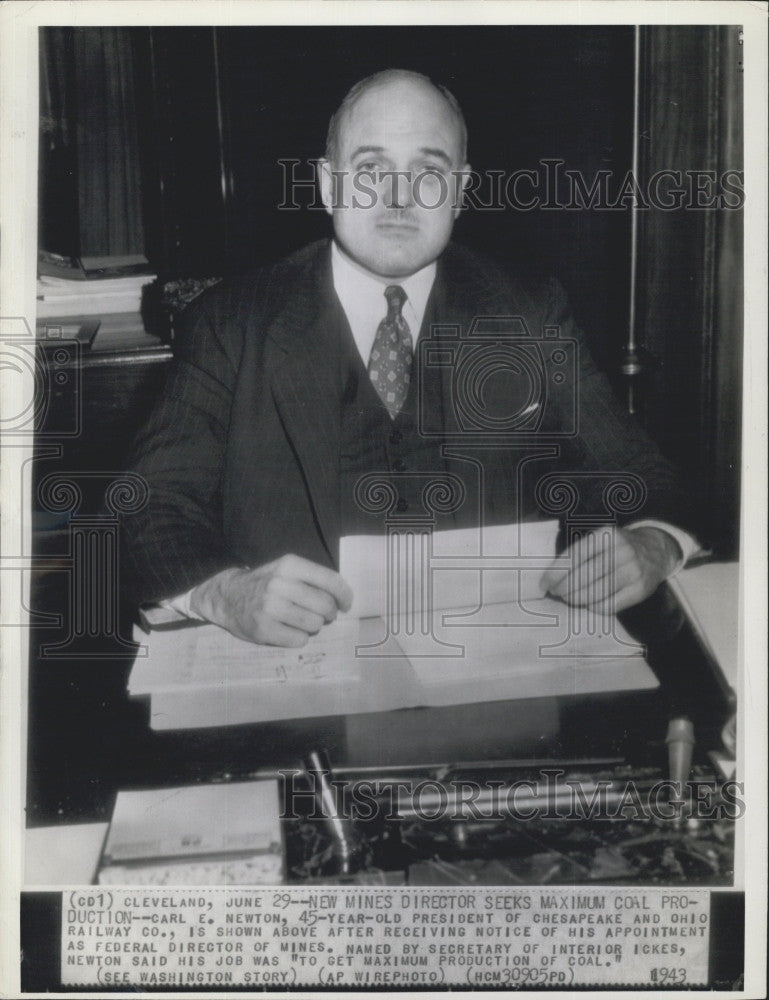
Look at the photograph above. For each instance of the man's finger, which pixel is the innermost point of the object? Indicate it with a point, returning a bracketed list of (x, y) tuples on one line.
[(624, 598), (305, 596), (590, 566), (597, 580), (288, 613), (299, 568), (585, 549), (589, 555), (277, 634)]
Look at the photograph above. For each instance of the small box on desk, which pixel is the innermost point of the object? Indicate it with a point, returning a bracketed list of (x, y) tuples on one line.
[(224, 834)]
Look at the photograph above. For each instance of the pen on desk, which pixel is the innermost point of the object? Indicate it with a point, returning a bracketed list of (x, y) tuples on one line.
[(347, 849), (680, 741)]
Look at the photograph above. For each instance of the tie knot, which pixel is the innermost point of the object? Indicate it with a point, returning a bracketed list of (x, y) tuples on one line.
[(395, 298)]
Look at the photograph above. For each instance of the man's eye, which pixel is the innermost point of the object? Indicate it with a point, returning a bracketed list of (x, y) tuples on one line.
[(368, 167)]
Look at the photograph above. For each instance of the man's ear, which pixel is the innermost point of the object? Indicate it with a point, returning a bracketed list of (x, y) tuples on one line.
[(463, 179), (327, 183)]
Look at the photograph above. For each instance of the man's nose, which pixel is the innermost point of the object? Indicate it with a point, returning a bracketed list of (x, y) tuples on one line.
[(399, 192)]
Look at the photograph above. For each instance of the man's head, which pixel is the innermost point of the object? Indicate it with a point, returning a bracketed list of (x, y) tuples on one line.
[(392, 176)]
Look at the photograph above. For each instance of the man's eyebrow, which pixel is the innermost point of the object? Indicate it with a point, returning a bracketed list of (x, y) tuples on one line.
[(424, 151), (366, 149), (439, 154)]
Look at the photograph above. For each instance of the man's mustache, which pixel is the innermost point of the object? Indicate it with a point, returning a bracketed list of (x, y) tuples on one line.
[(398, 216)]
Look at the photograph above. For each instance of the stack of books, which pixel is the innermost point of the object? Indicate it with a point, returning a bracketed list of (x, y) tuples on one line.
[(90, 286)]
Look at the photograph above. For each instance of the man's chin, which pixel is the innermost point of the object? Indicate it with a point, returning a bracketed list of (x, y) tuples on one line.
[(398, 265), (391, 256)]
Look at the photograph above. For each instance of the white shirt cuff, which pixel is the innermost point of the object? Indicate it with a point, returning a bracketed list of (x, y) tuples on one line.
[(181, 604), (168, 612), (689, 545)]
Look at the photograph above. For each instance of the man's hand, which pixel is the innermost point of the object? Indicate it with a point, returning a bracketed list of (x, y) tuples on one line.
[(282, 603), (643, 558)]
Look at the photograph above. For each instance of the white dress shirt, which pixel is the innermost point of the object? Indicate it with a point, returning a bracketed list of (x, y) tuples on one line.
[(363, 298), (365, 306)]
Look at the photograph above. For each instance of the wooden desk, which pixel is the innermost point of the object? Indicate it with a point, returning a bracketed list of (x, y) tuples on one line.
[(89, 741)]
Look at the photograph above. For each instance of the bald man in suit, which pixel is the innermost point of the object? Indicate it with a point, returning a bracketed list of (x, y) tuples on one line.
[(292, 384)]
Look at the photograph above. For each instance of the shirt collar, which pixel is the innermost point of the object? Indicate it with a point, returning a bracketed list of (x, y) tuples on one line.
[(362, 295)]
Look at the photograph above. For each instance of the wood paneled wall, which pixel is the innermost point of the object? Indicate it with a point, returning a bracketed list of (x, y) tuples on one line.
[(690, 293)]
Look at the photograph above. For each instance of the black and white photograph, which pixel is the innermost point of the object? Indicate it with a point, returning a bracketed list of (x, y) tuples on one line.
[(384, 497)]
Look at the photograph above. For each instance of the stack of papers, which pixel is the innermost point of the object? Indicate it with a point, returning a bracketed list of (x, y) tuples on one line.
[(474, 627), (58, 296), (710, 595)]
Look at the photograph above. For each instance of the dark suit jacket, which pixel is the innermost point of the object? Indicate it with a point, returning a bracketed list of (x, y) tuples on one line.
[(242, 450)]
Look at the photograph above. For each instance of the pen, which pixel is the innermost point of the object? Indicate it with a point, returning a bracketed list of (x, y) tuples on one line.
[(347, 848), (680, 741)]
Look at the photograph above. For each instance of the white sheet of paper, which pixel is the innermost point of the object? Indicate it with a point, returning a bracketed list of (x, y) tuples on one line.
[(205, 656), (510, 640), (528, 657), (393, 684), (373, 685), (456, 568), (481, 631), (710, 594), (63, 854)]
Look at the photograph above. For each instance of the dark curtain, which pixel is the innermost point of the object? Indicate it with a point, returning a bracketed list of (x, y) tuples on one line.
[(58, 229), (90, 184)]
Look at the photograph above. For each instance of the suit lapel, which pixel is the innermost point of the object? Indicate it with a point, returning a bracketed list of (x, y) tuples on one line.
[(305, 386), (461, 294)]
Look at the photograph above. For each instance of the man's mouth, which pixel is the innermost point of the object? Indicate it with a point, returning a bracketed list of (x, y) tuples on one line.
[(398, 226)]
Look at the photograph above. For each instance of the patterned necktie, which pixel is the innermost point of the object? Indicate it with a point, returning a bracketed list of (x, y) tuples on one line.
[(389, 365)]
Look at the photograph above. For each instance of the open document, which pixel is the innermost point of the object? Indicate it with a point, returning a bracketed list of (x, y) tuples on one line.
[(439, 618)]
